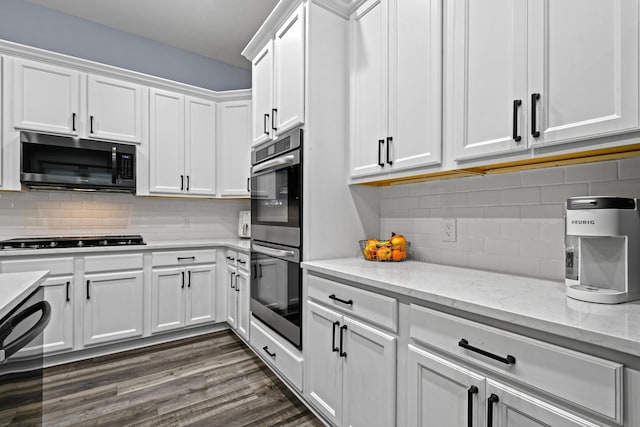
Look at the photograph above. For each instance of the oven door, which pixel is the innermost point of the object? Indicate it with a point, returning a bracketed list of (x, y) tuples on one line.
[(276, 195), (276, 289)]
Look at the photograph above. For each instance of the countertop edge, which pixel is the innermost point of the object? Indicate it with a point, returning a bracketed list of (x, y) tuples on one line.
[(29, 282)]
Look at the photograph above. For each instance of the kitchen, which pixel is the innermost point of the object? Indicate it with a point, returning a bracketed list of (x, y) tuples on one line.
[(509, 222)]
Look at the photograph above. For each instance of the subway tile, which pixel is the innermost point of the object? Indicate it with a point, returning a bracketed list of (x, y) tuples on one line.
[(519, 231), (468, 212), (590, 172), (560, 193), (455, 257), (501, 246), (485, 261), (484, 229), (485, 198), (502, 212), (544, 176), (552, 230), (542, 249), (626, 188), (629, 168), (419, 213), (520, 265), (430, 201), (551, 211), (552, 269), (521, 196)]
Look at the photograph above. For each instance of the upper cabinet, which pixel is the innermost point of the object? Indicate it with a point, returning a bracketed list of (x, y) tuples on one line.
[(49, 98), (234, 148), (278, 81), (181, 144), (539, 73), (396, 82)]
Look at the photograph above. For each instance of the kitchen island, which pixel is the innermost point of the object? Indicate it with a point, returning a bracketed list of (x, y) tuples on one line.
[(15, 287)]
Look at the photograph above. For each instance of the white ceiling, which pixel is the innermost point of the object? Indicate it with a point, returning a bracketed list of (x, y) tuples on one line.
[(216, 29)]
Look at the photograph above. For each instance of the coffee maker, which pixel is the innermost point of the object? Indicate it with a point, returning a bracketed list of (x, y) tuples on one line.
[(602, 249)]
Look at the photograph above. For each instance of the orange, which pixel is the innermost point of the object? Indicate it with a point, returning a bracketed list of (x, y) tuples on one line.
[(398, 241), (384, 253), (398, 255)]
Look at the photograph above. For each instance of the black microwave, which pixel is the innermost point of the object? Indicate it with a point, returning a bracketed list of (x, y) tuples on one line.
[(62, 162)]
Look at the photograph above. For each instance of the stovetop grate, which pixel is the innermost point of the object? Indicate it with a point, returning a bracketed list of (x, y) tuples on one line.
[(54, 242)]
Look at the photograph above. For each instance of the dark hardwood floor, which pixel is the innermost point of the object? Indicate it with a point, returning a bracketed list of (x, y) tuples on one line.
[(211, 380)]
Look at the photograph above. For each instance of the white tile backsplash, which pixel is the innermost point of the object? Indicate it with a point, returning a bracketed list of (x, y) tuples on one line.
[(510, 222), (40, 213)]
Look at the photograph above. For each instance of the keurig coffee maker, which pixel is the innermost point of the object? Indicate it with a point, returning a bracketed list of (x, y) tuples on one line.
[(602, 249)]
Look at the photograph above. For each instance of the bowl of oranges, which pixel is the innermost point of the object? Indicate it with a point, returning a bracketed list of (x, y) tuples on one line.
[(392, 250)]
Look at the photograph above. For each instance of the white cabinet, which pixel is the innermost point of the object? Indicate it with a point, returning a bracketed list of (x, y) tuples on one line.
[(278, 80), (182, 144), (350, 369), (238, 313), (234, 148), (113, 306), (49, 98), (45, 97), (114, 109), (396, 86), (526, 74)]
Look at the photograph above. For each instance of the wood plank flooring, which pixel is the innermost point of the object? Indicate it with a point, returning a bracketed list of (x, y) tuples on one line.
[(211, 380)]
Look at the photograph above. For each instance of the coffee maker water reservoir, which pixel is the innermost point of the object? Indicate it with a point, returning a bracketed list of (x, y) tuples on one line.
[(602, 249)]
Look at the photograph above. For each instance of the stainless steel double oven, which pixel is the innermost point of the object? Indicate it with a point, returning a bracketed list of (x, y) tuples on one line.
[(276, 235)]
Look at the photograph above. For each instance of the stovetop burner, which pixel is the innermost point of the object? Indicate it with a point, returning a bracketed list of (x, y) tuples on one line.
[(71, 242)]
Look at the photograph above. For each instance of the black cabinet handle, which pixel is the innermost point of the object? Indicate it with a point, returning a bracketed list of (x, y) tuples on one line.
[(380, 142), (333, 337), (264, 123), (509, 360), (188, 179), (237, 287), (266, 350), (241, 261), (73, 122), (470, 392), (181, 182), (260, 269), (273, 118), (231, 280), (182, 258), (248, 183), (491, 400), (182, 272), (516, 104), (335, 298), (88, 293), (342, 329), (68, 284), (535, 97), (189, 279), (231, 258), (389, 141), (91, 124)]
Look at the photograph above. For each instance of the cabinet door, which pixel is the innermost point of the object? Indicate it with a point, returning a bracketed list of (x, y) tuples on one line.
[(289, 73), (242, 289), (323, 364), (584, 64), (166, 142), (200, 146), (262, 94), (234, 148), (167, 299), (487, 70), (439, 392), (201, 294), (46, 98), (415, 79), (115, 109), (113, 306), (232, 298), (369, 376), (369, 86), (514, 408)]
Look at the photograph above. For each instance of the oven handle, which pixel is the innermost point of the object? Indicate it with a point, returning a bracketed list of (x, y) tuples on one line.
[(269, 164), (279, 253), (8, 350)]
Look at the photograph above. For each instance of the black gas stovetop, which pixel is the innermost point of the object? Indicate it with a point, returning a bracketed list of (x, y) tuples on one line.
[(71, 242)]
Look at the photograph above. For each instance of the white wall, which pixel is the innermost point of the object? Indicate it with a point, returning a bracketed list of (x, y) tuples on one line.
[(40, 213), (510, 222)]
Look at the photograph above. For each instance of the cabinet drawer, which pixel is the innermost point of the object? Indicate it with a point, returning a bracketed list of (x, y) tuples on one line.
[(374, 308), (588, 381), (276, 353), (243, 261), (232, 258), (184, 257), (56, 266), (112, 262)]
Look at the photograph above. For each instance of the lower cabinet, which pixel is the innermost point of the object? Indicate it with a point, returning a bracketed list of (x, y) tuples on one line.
[(58, 335), (113, 306), (238, 313), (182, 296), (350, 374)]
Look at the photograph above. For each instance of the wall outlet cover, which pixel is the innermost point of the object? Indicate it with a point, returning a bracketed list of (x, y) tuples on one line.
[(449, 232)]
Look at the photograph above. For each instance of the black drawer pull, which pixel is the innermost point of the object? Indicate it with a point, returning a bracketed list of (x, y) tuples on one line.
[(470, 392), (335, 298), (242, 262), (182, 258), (333, 337), (516, 104), (88, 293), (342, 329), (73, 121), (182, 272), (266, 350), (535, 97), (509, 360), (68, 299), (490, 401), (380, 143), (389, 140), (230, 258)]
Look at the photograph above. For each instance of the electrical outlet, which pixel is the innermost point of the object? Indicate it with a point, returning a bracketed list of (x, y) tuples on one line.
[(449, 230)]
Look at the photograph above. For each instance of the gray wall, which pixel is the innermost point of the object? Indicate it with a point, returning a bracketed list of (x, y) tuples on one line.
[(33, 25)]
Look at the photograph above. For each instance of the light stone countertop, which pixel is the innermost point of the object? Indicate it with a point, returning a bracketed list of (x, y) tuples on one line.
[(236, 244), (533, 303), (15, 287)]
